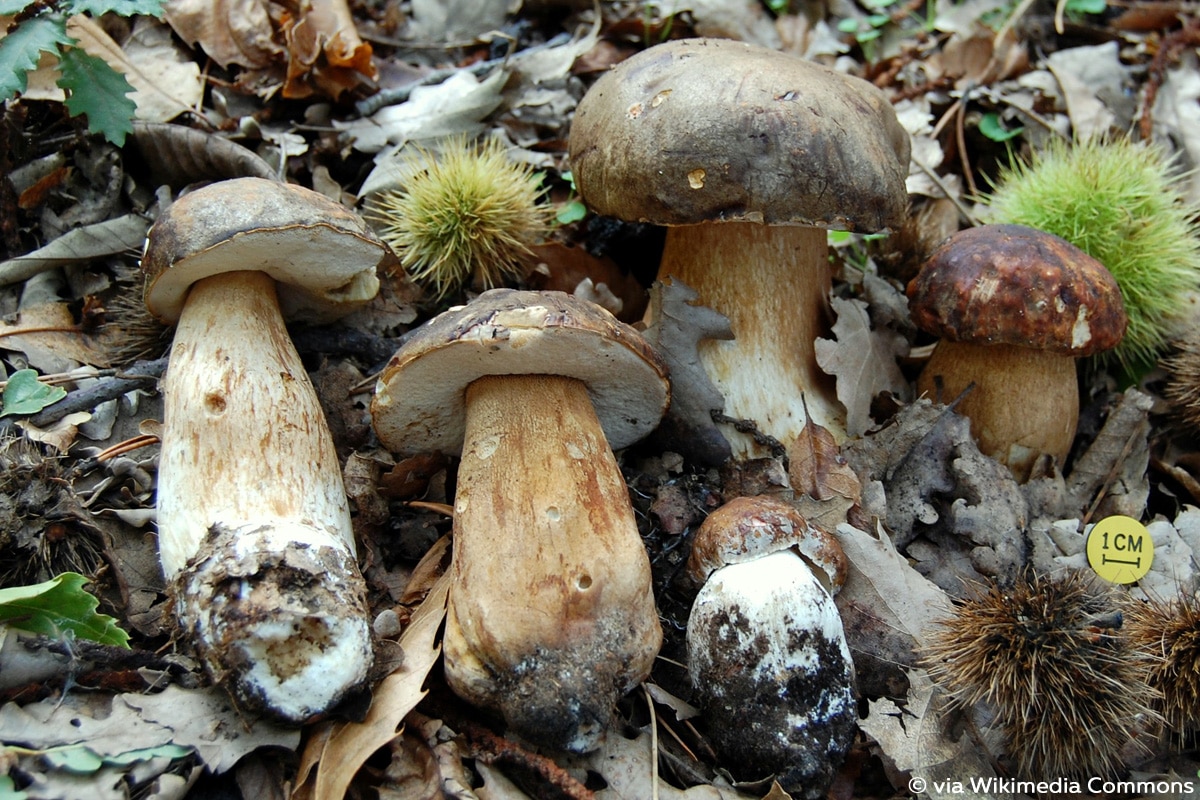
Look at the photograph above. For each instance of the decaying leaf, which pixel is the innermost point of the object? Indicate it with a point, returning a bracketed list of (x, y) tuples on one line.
[(1116, 461), (887, 608), (178, 155), (863, 361), (677, 324), (917, 739), (350, 744), (924, 475), (816, 466), (202, 719), (826, 485), (122, 234)]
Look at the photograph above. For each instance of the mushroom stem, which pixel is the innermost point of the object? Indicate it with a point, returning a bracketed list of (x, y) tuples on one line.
[(1025, 401), (772, 282), (254, 527), (551, 615)]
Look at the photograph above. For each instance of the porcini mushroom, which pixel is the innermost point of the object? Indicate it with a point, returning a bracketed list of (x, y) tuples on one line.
[(551, 615), (1014, 308), (253, 522), (766, 650), (748, 155)]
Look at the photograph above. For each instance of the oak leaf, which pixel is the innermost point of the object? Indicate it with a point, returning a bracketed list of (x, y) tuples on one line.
[(863, 361)]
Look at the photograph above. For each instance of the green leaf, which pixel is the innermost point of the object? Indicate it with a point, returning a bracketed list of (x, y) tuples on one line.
[(124, 8), (82, 760), (59, 605), (78, 760), (991, 127), (98, 91), (8, 789), (1086, 6), (571, 212), (21, 49), (10, 8), (25, 394)]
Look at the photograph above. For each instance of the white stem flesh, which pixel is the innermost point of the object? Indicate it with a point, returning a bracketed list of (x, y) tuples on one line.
[(772, 281), (254, 526)]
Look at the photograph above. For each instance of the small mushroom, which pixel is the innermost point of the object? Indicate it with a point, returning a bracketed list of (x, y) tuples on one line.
[(748, 155), (253, 522), (1014, 307), (766, 651), (551, 615)]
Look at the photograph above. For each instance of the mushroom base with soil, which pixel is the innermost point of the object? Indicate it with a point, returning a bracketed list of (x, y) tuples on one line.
[(551, 616), (777, 310), (1024, 403), (254, 526)]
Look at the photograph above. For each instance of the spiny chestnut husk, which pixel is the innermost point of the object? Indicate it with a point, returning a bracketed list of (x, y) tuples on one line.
[(1048, 656), (466, 215), (1123, 203), (1167, 632)]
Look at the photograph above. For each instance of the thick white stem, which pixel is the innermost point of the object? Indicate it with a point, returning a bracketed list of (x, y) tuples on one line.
[(254, 528), (772, 281), (551, 614)]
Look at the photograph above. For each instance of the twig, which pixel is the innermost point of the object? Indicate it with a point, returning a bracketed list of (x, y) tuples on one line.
[(110, 388), (653, 744), (1168, 50), (386, 97)]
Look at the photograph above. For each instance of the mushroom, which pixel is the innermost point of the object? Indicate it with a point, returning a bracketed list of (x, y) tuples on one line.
[(1014, 307), (766, 651), (551, 615), (253, 522), (748, 155)]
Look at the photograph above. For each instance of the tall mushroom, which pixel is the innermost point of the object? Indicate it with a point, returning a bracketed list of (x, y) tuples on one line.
[(551, 615), (253, 523), (1014, 307), (748, 155)]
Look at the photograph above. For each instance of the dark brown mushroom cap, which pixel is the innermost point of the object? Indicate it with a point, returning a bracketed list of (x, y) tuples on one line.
[(420, 399), (1009, 284), (700, 130), (748, 528), (322, 254)]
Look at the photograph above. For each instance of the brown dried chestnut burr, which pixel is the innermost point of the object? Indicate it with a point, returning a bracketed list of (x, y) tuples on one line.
[(748, 156), (1014, 307)]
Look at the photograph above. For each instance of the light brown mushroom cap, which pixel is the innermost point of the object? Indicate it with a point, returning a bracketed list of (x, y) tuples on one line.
[(702, 130), (1010, 284), (748, 528), (419, 403), (323, 257)]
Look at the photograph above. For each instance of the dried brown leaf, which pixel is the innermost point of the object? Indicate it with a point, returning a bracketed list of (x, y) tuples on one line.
[(916, 739), (177, 155), (229, 31), (862, 360), (816, 466), (350, 744)]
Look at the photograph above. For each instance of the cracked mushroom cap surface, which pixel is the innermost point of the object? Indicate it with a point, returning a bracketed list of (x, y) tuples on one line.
[(701, 130), (1010, 284), (420, 398), (321, 254), (748, 528)]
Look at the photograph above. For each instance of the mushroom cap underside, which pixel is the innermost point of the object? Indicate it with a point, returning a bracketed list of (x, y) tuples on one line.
[(420, 404), (718, 130), (322, 255)]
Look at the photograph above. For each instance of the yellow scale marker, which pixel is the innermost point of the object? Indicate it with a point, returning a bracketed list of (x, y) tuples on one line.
[(1120, 549)]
